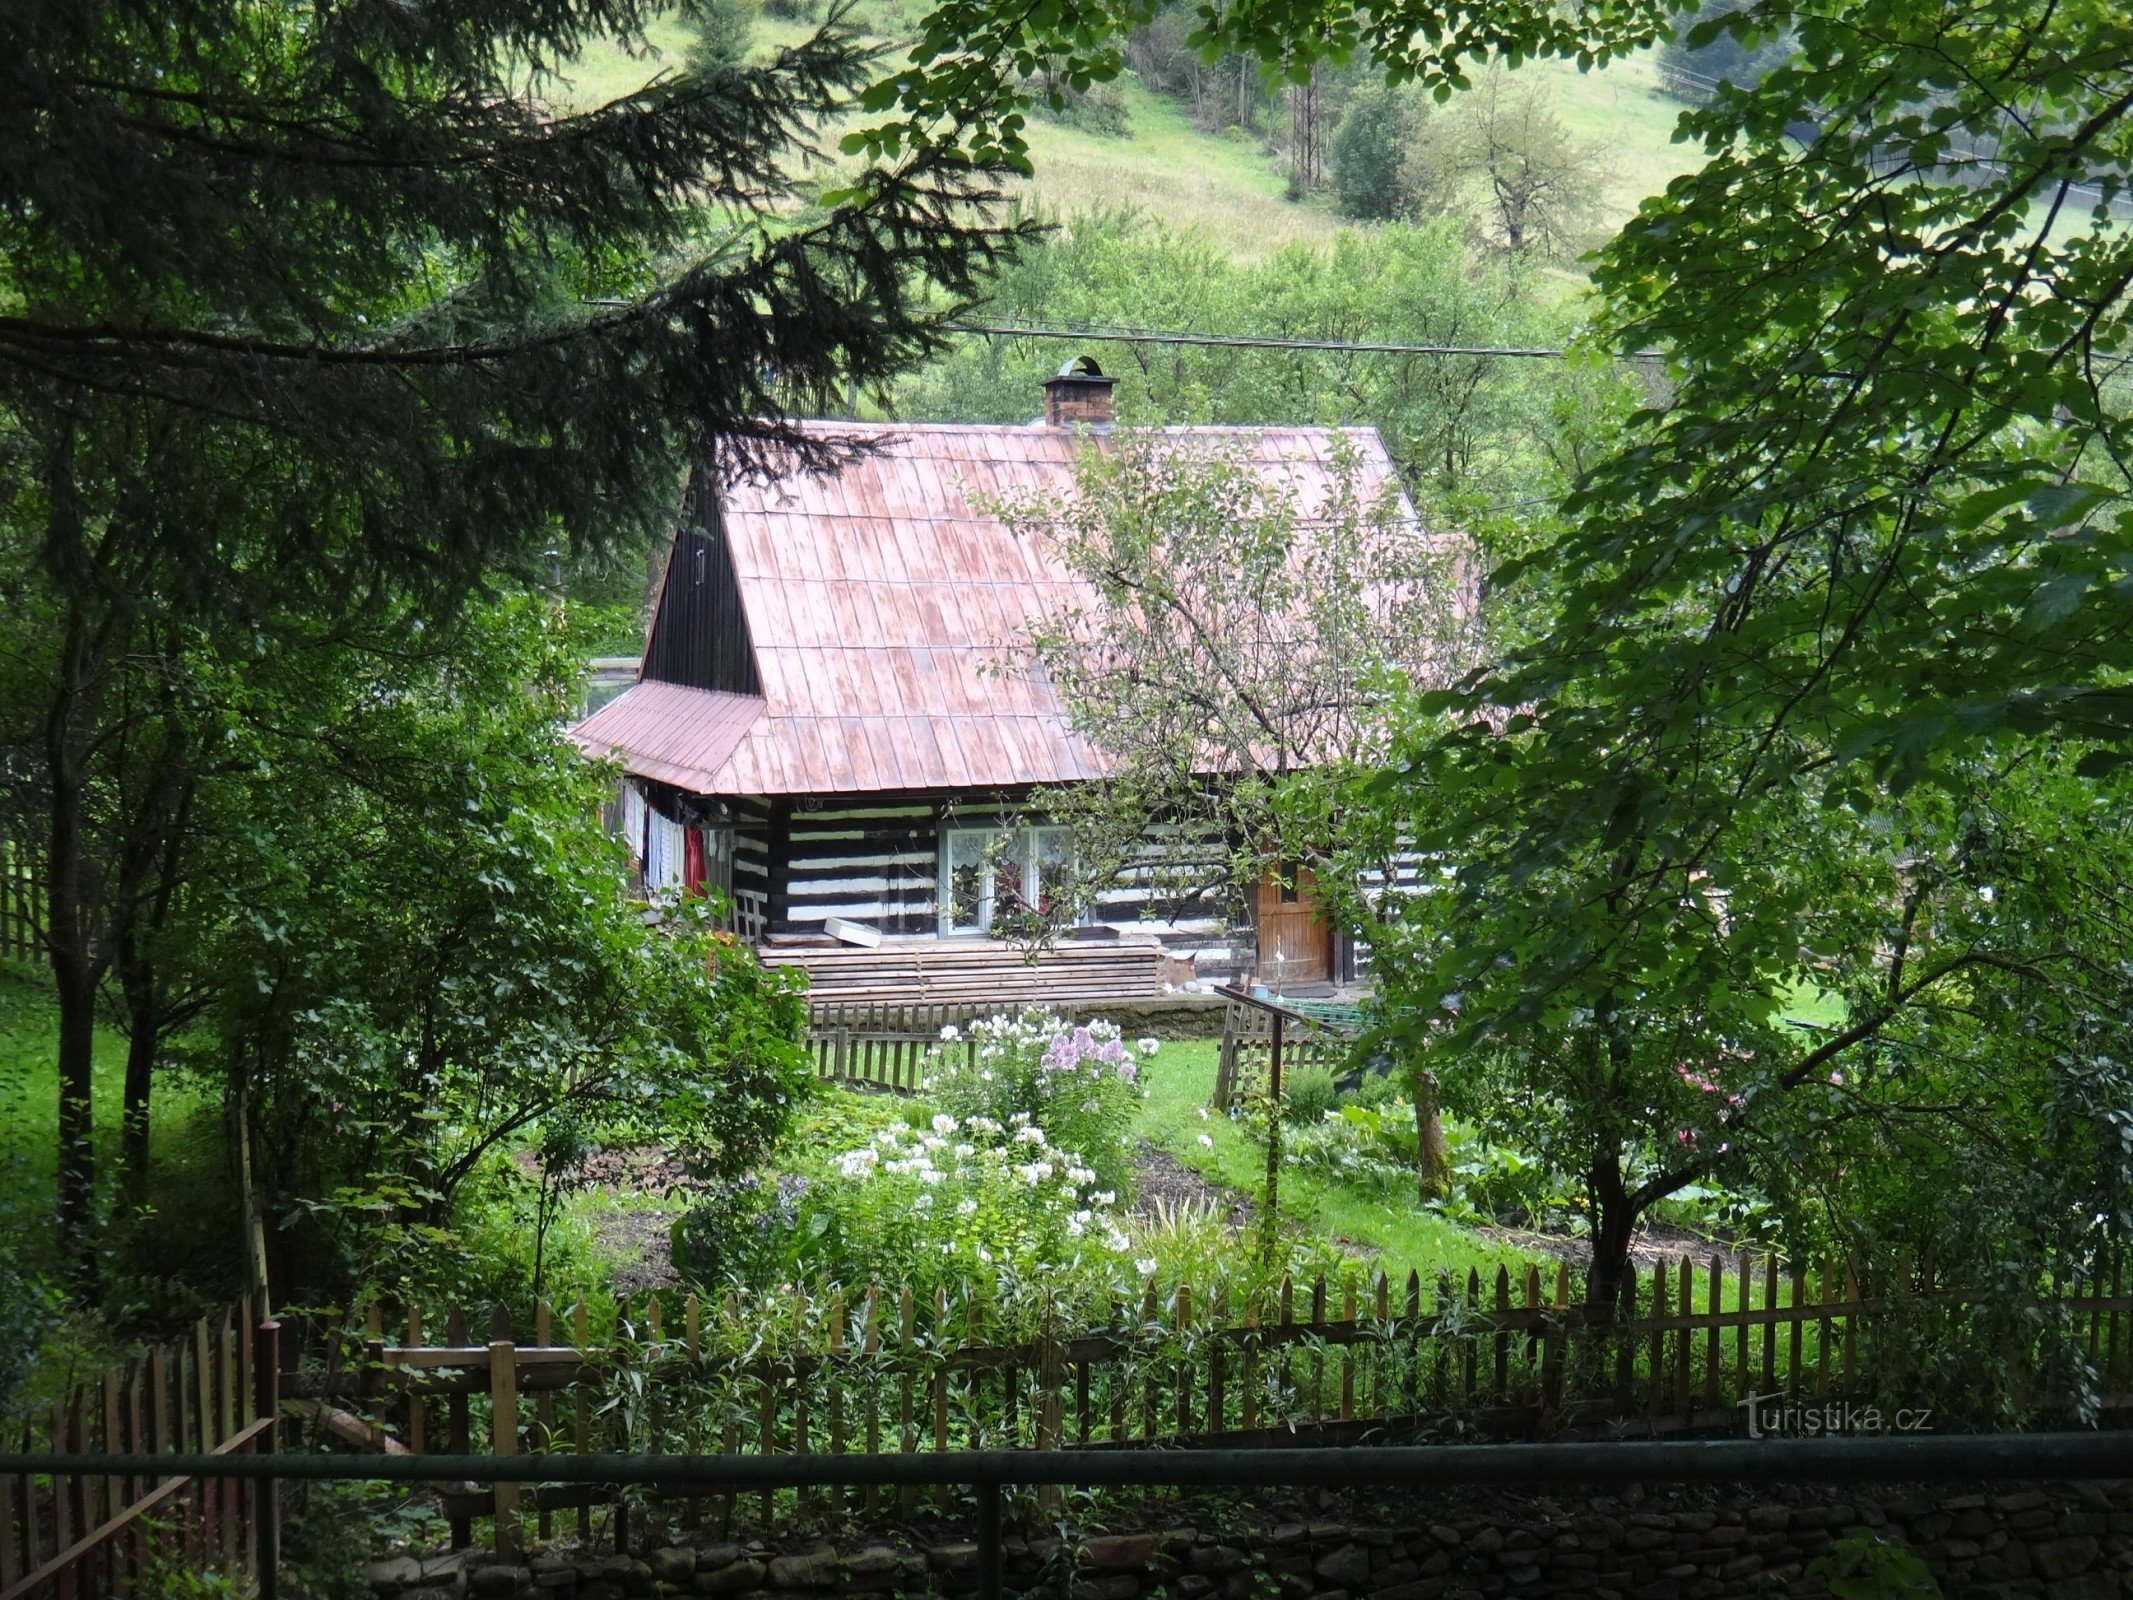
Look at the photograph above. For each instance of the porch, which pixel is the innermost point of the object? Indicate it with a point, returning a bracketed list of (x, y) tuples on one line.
[(971, 971)]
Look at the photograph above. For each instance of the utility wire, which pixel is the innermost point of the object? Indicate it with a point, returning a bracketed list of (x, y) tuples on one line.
[(1259, 342)]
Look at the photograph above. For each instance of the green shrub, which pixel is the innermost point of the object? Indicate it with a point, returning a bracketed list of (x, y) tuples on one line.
[(1309, 1097), (1079, 1085), (1375, 1092)]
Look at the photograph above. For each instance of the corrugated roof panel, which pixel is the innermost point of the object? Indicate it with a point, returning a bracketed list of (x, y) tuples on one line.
[(876, 598)]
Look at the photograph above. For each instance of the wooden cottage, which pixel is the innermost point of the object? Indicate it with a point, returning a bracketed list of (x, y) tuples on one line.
[(837, 722)]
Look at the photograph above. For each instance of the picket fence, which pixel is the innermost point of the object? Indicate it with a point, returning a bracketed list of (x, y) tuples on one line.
[(69, 1538), (881, 1045), (1512, 1356)]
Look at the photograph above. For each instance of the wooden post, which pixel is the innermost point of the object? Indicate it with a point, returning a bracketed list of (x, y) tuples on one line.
[(503, 1430), (1270, 1222), (581, 1406), (266, 1516), (455, 1335), (543, 1438), (1657, 1357), (1050, 1382), (209, 1490), (870, 1355), (834, 1373), (1713, 1359), (907, 1398), (1743, 1354), (1181, 1323), (1217, 1399), (940, 1376), (1502, 1393), (1684, 1390), (1347, 1401)]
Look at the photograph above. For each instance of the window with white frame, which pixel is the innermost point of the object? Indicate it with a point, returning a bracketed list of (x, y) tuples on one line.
[(991, 874)]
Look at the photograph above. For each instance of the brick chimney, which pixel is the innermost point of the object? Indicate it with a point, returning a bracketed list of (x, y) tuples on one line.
[(1078, 393)]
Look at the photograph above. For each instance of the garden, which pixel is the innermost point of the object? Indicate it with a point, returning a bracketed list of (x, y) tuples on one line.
[(1048, 1161)]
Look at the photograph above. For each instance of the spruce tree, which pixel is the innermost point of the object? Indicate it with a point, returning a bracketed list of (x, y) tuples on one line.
[(335, 309)]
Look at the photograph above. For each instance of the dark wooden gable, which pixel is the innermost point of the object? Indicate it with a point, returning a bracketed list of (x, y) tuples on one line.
[(700, 635)]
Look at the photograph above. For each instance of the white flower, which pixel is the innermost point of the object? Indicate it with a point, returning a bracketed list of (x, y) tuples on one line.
[(1105, 1197), (1206, 1142), (1203, 1113), (984, 1254), (951, 1033), (1147, 1046), (965, 1207), (1079, 1175), (1082, 1217), (1145, 1266), (923, 1203), (931, 1177), (1030, 1135), (963, 1152), (943, 1123), (985, 1077), (1018, 1119), (1034, 1173), (1074, 1228)]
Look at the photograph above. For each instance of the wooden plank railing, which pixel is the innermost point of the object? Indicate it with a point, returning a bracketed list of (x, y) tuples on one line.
[(67, 1536), (748, 916), (1514, 1355)]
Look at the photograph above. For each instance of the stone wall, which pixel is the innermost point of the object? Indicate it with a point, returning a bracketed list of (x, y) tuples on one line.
[(2055, 1542)]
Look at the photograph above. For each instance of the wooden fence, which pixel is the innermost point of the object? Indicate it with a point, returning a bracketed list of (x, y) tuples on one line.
[(881, 1045), (877, 1044), (21, 903), (1248, 1048), (1512, 1356), (68, 1537)]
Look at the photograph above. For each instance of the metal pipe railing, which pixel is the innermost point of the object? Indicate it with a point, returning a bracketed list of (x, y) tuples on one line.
[(1914, 1458)]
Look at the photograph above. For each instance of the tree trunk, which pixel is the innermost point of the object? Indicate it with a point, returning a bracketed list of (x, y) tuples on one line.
[(77, 1121), (1614, 1222), (1434, 1166), (75, 970), (144, 1025)]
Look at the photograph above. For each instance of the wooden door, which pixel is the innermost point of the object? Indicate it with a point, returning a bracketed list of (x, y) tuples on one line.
[(1295, 941)]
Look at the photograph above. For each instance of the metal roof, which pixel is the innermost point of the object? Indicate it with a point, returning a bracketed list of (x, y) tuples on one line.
[(890, 618), (671, 733)]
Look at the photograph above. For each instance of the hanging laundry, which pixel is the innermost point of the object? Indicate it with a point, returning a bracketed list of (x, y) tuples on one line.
[(692, 860), (634, 812), (664, 857)]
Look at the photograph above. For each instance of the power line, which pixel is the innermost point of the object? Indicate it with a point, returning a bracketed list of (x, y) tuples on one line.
[(1249, 341)]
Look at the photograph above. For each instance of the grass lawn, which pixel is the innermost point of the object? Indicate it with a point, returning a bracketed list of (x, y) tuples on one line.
[(1225, 186), (187, 1176), (1401, 1236)]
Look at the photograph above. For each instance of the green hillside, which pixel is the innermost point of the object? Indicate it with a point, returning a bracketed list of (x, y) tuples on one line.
[(1228, 187)]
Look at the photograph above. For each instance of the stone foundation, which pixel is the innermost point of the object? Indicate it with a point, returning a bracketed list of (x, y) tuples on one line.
[(2055, 1542)]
